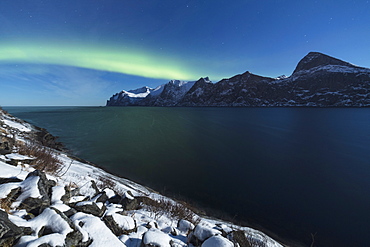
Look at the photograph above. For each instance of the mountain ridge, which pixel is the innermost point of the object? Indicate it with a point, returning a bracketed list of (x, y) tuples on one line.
[(318, 80)]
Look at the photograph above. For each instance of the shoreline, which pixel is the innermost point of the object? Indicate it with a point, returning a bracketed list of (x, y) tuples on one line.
[(47, 139)]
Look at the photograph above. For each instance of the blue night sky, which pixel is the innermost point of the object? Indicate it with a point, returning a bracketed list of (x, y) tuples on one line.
[(80, 52)]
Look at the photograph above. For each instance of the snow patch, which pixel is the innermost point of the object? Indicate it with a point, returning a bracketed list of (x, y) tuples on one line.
[(155, 237), (92, 227), (15, 125)]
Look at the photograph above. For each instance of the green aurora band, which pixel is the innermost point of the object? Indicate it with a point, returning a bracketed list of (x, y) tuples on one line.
[(126, 61)]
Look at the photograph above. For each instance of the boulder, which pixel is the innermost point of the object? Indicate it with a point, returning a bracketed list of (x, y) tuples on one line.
[(152, 225), (52, 222), (120, 224), (11, 197), (89, 207), (10, 180), (70, 212), (95, 187), (217, 241), (238, 237), (156, 238), (130, 204), (69, 193), (44, 184), (34, 206), (185, 226), (116, 199), (100, 197), (170, 230), (74, 238), (45, 245), (6, 145), (9, 232), (201, 233), (37, 205)]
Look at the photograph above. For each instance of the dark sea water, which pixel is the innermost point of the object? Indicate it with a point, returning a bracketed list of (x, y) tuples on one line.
[(293, 171)]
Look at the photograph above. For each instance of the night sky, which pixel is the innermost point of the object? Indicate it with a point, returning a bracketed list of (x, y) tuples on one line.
[(80, 52)]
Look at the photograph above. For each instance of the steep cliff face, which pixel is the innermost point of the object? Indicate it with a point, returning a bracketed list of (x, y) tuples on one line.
[(318, 80), (325, 81), (170, 95), (240, 90)]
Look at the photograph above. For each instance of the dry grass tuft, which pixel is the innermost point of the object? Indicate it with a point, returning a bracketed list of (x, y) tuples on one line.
[(5, 204), (106, 182), (175, 210), (45, 158)]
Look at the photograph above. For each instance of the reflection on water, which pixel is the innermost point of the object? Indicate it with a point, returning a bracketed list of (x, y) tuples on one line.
[(296, 171)]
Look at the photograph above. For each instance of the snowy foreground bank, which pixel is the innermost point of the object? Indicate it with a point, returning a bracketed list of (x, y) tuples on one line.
[(48, 198)]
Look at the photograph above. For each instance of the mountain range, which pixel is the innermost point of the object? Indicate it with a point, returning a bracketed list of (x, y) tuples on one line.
[(318, 80)]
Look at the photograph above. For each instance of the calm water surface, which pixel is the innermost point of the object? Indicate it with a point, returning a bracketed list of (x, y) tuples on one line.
[(294, 171)]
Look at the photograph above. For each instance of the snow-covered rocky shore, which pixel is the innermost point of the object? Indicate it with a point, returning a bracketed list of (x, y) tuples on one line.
[(48, 198)]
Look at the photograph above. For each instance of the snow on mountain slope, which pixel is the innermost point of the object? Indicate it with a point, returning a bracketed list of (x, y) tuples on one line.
[(171, 94), (165, 94), (130, 97), (318, 80), (157, 91)]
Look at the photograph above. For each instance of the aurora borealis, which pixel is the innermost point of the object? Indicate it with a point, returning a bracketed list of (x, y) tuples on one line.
[(121, 61), (81, 52)]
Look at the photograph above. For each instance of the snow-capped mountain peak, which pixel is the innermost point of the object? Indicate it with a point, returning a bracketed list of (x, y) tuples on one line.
[(318, 80), (315, 59), (168, 93), (138, 93)]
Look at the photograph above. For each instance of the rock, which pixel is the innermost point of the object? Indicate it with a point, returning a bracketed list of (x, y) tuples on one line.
[(156, 238), (44, 245), (238, 237), (6, 145), (217, 241), (60, 224), (70, 212), (10, 180), (224, 229), (45, 230), (201, 233), (37, 205), (95, 229), (34, 206), (120, 224), (74, 238), (69, 193), (116, 199), (152, 225), (88, 207), (95, 187), (16, 159), (100, 197), (44, 184), (9, 232), (129, 204), (26, 230), (12, 196), (170, 230), (112, 225), (185, 226)]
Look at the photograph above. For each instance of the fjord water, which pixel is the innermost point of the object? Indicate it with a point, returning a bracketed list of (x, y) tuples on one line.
[(293, 171)]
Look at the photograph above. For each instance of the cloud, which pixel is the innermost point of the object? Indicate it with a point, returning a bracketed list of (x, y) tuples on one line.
[(52, 84), (74, 83)]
